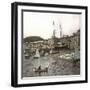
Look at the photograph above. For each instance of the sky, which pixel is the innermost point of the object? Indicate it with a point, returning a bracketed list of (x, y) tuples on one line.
[(41, 24)]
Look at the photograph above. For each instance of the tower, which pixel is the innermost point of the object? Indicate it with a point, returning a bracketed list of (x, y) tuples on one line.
[(53, 40), (54, 31), (60, 30)]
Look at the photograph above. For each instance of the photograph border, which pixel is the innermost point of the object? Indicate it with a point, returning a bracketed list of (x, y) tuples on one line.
[(14, 43)]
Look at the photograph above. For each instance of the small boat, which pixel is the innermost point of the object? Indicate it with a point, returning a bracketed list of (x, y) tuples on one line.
[(27, 56), (37, 54), (39, 70)]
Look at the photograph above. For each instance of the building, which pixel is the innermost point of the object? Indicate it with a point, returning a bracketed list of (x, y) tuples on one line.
[(56, 44), (74, 42)]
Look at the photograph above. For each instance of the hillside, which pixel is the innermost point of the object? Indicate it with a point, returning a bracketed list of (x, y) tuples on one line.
[(33, 38)]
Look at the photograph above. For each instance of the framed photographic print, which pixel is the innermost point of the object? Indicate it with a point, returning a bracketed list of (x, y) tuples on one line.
[(49, 44)]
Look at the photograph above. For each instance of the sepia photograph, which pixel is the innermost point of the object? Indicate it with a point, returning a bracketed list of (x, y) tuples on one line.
[(51, 44)]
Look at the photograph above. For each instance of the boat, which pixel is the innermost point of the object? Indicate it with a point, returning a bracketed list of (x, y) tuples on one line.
[(37, 54), (27, 56)]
